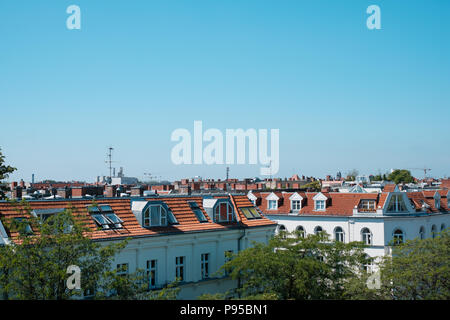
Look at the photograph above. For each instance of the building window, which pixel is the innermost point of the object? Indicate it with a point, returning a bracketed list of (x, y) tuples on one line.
[(155, 216), (251, 213), (105, 217), (442, 227), (122, 269), (320, 204), (437, 203), (339, 234), (296, 205), (281, 228), (273, 205), (398, 236), (318, 229), (179, 268), (205, 265), (228, 256), (367, 264), (197, 211), (396, 204), (433, 231), (367, 205), (422, 233), (301, 231), (223, 212), (366, 236), (152, 266)]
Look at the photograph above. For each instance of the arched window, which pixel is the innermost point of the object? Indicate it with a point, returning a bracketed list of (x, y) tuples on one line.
[(366, 236), (433, 231), (301, 231), (422, 233), (339, 234), (398, 236), (442, 227), (281, 228), (318, 229)]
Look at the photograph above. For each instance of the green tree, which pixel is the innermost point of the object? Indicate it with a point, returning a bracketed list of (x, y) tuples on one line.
[(293, 267), (5, 170), (313, 186), (418, 269), (400, 176), (35, 265)]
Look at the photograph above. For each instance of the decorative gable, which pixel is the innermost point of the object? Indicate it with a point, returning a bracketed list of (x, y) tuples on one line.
[(320, 202)]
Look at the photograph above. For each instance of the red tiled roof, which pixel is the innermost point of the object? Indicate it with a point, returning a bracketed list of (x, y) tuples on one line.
[(187, 221), (342, 204)]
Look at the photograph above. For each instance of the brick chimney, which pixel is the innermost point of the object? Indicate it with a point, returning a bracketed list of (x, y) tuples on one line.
[(110, 191), (17, 193)]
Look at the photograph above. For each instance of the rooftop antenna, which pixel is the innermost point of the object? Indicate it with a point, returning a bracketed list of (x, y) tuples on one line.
[(228, 173), (109, 161)]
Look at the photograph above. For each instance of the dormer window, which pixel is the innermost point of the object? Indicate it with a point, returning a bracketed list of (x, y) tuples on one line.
[(44, 214), (367, 205), (320, 202), (155, 216), (273, 204), (223, 212), (272, 201), (23, 225), (396, 204), (437, 202), (296, 202)]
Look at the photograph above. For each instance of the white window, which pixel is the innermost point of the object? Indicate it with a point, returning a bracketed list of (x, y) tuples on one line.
[(223, 212), (318, 229), (281, 228), (320, 204), (205, 265), (367, 205), (339, 234), (122, 269), (179, 268), (433, 231), (366, 236), (296, 205), (301, 231), (422, 233), (398, 236), (367, 264), (273, 205), (152, 267), (155, 216)]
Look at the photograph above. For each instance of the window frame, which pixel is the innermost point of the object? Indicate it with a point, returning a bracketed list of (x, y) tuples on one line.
[(152, 273), (339, 236), (366, 236), (204, 265), (218, 214), (180, 268)]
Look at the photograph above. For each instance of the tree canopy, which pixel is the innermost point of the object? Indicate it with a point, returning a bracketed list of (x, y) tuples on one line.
[(401, 176), (5, 170), (293, 267)]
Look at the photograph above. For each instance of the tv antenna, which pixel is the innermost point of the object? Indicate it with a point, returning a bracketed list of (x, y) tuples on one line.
[(109, 162)]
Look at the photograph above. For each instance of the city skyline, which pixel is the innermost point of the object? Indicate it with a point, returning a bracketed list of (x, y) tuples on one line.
[(342, 96)]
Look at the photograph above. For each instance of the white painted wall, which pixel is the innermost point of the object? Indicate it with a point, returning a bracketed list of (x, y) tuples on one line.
[(166, 248)]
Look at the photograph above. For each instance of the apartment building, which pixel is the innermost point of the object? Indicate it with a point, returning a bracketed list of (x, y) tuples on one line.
[(185, 237), (373, 218)]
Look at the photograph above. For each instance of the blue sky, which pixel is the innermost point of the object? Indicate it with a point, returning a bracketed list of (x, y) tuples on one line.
[(343, 96)]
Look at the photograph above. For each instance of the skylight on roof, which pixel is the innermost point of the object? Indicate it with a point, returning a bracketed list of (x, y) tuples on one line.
[(105, 217), (251, 213), (197, 211)]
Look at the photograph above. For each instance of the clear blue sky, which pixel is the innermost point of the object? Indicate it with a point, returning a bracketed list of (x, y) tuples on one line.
[(342, 96)]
